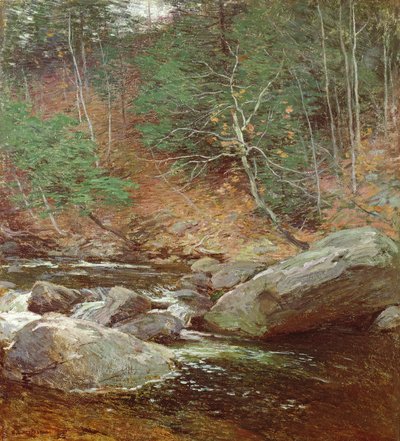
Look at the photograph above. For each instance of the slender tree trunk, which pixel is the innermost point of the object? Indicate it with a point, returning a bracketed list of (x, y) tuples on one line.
[(51, 217), (24, 198), (357, 111), (149, 19), (393, 101), (122, 92), (84, 67), (256, 194), (77, 100), (65, 81), (79, 82), (349, 103), (222, 27), (109, 101), (27, 93), (327, 91), (117, 233), (2, 44), (313, 149), (386, 84), (339, 120)]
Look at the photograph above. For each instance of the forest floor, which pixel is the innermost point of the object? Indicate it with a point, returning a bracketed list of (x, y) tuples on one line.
[(215, 215)]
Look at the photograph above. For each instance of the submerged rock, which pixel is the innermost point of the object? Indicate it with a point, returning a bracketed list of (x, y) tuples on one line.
[(48, 297), (65, 353), (160, 326), (388, 320), (348, 275), (121, 304)]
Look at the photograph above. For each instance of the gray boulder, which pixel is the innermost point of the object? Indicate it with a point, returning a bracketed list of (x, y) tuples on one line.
[(189, 305), (348, 275), (205, 264), (160, 326), (201, 281), (69, 354), (48, 297), (227, 275), (388, 320), (121, 304)]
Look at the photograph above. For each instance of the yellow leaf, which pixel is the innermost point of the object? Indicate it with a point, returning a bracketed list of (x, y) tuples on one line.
[(250, 128), (214, 119)]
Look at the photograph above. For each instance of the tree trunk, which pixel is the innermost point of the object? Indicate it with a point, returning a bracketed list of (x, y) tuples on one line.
[(327, 91), (21, 190), (222, 27), (313, 149), (349, 104), (386, 83), (356, 87), (109, 101), (79, 82), (256, 194), (117, 233), (2, 43), (51, 217)]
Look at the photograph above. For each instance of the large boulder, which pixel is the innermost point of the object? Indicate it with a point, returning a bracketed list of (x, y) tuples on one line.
[(48, 297), (69, 354), (160, 326), (121, 304), (348, 275)]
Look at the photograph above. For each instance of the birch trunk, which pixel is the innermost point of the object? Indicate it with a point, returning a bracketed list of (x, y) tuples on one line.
[(349, 103), (79, 82)]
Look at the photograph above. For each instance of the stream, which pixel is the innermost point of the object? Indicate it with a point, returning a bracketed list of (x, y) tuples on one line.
[(320, 386)]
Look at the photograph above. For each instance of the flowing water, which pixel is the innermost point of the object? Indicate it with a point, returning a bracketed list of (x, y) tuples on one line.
[(321, 387)]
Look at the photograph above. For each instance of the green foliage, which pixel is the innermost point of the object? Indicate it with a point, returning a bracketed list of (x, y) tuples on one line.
[(57, 161), (192, 86)]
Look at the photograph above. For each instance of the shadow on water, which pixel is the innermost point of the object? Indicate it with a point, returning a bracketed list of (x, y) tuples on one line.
[(320, 387)]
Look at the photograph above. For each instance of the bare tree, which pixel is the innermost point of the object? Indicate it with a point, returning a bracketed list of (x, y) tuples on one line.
[(238, 146)]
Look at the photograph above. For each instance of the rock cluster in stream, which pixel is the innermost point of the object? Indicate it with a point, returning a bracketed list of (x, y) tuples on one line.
[(89, 339), (82, 339)]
